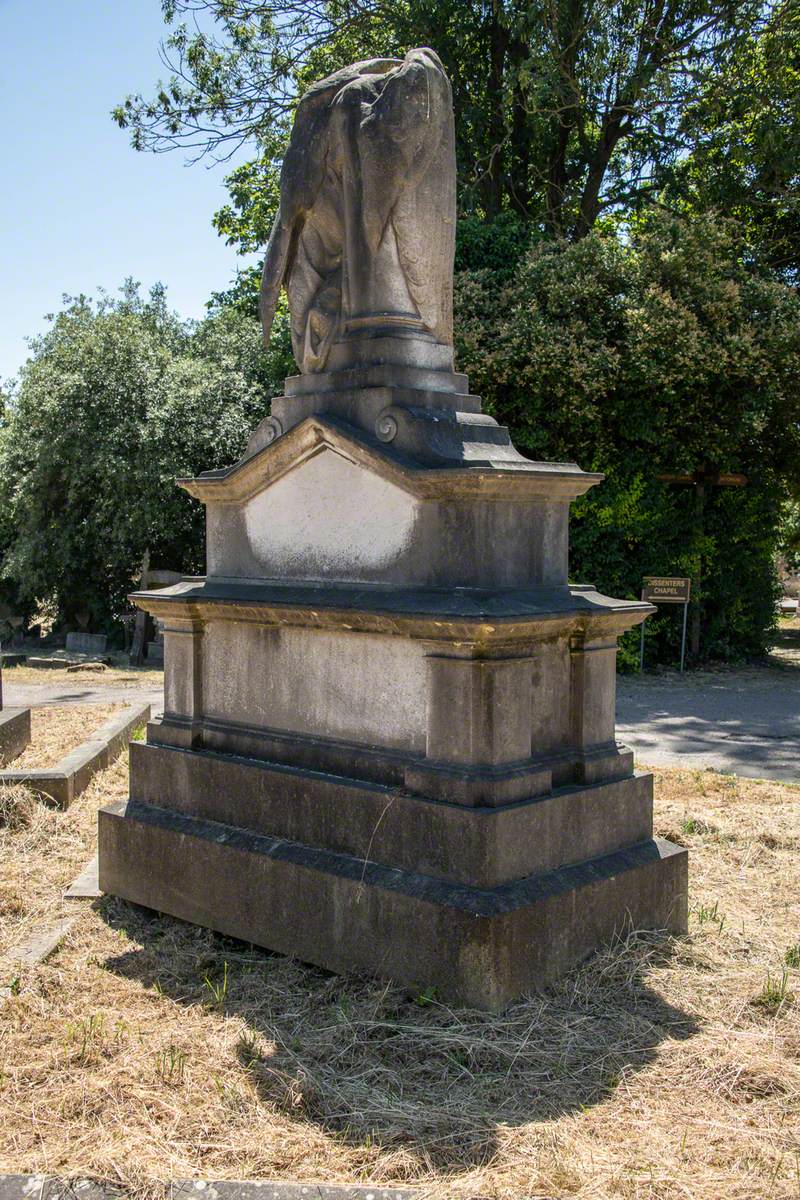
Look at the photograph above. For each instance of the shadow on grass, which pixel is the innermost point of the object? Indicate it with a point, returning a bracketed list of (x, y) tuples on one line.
[(369, 1064)]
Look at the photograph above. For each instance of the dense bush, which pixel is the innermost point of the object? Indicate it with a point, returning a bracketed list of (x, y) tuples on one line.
[(117, 400), (790, 532), (660, 354)]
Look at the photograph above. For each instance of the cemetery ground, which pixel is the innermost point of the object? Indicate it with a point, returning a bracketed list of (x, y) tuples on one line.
[(143, 1049), (744, 719), (36, 687), (57, 729)]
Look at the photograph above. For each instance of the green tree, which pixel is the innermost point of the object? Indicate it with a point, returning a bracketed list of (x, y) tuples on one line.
[(118, 399), (745, 129), (9, 597), (564, 108), (664, 354), (789, 544)]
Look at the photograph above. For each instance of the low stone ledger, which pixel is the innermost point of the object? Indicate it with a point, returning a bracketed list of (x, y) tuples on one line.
[(388, 739)]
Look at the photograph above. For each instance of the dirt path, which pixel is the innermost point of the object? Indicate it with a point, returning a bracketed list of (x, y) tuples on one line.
[(28, 687), (744, 721)]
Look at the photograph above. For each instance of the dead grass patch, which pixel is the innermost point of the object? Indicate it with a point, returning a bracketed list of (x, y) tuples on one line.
[(17, 807), (41, 858), (147, 1049), (145, 677), (57, 729)]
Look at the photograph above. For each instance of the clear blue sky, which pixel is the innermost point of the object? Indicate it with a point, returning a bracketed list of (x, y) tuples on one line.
[(79, 209)]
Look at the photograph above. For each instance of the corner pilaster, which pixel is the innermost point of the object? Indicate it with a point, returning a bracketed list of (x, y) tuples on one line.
[(593, 688), (183, 685), (478, 745)]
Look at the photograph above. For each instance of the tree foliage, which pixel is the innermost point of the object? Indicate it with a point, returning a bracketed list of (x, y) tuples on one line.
[(789, 542), (607, 309), (664, 354), (745, 133), (117, 400), (565, 109)]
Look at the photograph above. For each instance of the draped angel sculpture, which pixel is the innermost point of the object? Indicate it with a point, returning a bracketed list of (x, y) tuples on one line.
[(364, 238)]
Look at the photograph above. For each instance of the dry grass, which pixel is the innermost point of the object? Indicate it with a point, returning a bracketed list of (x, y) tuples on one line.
[(112, 676), (658, 1069), (42, 855), (57, 729), (18, 808)]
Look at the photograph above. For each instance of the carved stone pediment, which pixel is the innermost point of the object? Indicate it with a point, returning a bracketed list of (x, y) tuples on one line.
[(517, 478)]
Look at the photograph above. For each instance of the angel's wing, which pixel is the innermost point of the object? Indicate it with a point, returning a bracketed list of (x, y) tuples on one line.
[(302, 175), (407, 145)]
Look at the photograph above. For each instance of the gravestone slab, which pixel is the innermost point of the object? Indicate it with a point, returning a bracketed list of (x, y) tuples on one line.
[(86, 643), (85, 885), (13, 658), (155, 654), (42, 944), (46, 1187), (64, 660)]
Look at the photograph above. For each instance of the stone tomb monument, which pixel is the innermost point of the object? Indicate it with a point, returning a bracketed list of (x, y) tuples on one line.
[(388, 738)]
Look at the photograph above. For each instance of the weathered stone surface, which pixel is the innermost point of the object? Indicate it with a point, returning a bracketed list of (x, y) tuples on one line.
[(388, 740), (15, 733), (13, 658), (232, 672), (86, 643), (85, 885), (47, 1187), (479, 947), (483, 617), (155, 653), (64, 660), (73, 773), (365, 234), (480, 845), (400, 519), (42, 944)]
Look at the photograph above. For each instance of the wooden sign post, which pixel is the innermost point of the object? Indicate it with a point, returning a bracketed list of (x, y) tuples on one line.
[(661, 589)]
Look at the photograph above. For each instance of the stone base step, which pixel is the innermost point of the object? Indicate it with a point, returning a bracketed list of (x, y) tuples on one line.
[(15, 733), (481, 947), (481, 846)]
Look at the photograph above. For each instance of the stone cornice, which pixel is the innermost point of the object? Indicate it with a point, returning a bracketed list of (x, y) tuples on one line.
[(461, 614), (502, 480)]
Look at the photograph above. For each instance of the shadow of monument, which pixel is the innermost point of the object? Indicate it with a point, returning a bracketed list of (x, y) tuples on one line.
[(369, 1064)]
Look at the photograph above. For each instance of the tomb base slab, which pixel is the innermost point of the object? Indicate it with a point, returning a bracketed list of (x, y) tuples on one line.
[(481, 947)]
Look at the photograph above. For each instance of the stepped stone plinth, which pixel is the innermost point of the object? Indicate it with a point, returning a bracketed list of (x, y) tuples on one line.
[(388, 741)]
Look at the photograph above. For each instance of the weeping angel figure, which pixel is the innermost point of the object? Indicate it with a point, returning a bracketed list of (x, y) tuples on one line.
[(365, 234)]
